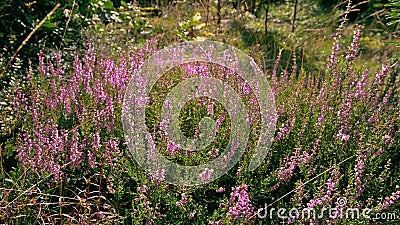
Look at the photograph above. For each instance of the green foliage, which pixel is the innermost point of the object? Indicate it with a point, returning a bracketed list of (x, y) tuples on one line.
[(64, 29), (19, 18), (394, 23), (186, 29), (312, 133)]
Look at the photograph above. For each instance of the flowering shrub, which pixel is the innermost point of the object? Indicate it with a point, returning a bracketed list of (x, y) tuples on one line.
[(342, 126), (70, 120), (337, 137)]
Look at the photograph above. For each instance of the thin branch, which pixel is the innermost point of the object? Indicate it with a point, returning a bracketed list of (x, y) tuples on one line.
[(5, 15), (312, 179), (33, 186), (66, 25), (38, 193)]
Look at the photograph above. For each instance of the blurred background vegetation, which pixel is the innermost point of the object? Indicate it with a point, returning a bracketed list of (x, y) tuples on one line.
[(267, 25)]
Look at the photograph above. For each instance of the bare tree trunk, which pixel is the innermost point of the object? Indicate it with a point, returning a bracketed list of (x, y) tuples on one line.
[(294, 15), (159, 8), (219, 12), (266, 18), (208, 12), (237, 9), (206, 4)]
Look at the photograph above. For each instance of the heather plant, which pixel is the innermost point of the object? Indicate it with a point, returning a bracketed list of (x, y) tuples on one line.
[(59, 142), (346, 124), (335, 145), (393, 18)]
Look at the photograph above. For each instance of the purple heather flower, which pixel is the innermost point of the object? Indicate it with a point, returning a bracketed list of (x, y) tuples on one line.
[(172, 148), (220, 120), (210, 108), (75, 154), (191, 215), (387, 97), (164, 124), (182, 201), (158, 176), (380, 76), (319, 201), (213, 153), (379, 152), (361, 85), (96, 140), (220, 190), (205, 176), (353, 48), (388, 201), (218, 222), (142, 189), (240, 206), (305, 157), (359, 168), (342, 136), (320, 119), (238, 172), (246, 88)]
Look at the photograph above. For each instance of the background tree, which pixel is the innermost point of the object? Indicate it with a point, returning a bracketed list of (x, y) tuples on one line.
[(294, 15)]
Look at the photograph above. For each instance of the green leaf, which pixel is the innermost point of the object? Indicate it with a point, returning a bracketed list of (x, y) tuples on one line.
[(108, 5), (180, 35), (9, 180), (123, 3), (378, 5), (391, 42), (49, 25)]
